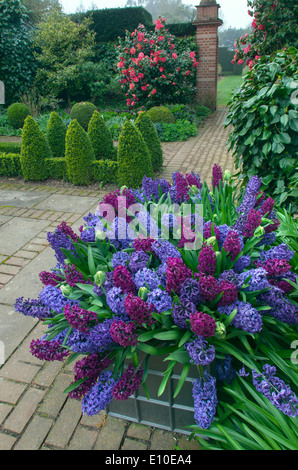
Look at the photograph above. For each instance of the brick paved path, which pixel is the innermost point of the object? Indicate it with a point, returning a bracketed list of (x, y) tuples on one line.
[(34, 412)]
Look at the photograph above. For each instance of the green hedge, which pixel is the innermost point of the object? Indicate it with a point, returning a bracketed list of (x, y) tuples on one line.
[(225, 57), (10, 147), (110, 23), (105, 171), (56, 168), (10, 164), (179, 29)]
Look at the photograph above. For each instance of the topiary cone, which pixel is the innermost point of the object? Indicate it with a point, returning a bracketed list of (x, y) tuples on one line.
[(133, 157), (56, 132), (78, 154), (34, 150), (149, 133), (100, 138)]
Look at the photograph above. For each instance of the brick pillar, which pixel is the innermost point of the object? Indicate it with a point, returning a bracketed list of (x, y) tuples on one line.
[(207, 23)]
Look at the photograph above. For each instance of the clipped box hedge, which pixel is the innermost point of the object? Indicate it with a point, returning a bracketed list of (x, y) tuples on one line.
[(10, 147), (105, 171), (56, 168), (10, 164)]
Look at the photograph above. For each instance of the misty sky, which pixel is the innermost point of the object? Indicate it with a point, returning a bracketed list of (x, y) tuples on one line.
[(234, 12)]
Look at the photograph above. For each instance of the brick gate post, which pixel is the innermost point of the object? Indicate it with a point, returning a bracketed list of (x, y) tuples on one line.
[(207, 23)]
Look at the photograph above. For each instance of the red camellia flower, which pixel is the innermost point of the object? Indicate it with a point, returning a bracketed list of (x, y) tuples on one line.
[(192, 55), (132, 50), (174, 55)]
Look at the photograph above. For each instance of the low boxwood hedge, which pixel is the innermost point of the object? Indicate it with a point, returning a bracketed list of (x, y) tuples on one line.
[(10, 164), (10, 147), (56, 168), (105, 171)]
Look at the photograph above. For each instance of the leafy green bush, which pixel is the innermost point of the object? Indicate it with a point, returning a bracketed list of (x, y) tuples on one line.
[(115, 125), (10, 147), (133, 157), (161, 114), (56, 168), (149, 133), (105, 171), (194, 115), (5, 128), (34, 150), (17, 64), (16, 115), (82, 112), (179, 131), (10, 164), (101, 138), (56, 132), (264, 116), (78, 154)]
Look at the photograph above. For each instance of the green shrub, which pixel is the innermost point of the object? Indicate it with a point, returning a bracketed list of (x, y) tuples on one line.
[(10, 147), (34, 150), (105, 171), (82, 112), (101, 138), (56, 132), (133, 157), (78, 154), (264, 118), (56, 168), (16, 115), (10, 164), (179, 131), (149, 133), (161, 114)]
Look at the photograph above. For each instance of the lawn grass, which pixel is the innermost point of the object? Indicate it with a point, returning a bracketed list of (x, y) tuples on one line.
[(225, 88)]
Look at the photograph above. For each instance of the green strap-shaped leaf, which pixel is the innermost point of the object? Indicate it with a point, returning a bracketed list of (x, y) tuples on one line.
[(182, 379)]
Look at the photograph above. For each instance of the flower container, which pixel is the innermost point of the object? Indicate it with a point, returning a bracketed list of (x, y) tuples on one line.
[(164, 412), (158, 328)]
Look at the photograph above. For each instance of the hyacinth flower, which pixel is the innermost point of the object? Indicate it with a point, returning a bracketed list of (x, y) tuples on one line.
[(276, 390), (120, 299)]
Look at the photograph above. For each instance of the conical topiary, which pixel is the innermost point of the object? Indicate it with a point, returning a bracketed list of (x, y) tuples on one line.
[(56, 132), (34, 150), (149, 133), (133, 157), (78, 154), (101, 138)]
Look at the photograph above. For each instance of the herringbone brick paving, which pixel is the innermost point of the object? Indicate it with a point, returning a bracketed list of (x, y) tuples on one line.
[(34, 412)]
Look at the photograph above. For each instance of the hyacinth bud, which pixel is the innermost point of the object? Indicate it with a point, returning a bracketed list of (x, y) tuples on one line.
[(100, 235), (66, 290), (122, 189), (259, 232), (194, 190), (220, 331), (143, 291), (211, 241), (227, 175), (100, 277)]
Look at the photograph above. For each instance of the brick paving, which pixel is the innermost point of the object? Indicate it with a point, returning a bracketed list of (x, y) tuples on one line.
[(34, 412)]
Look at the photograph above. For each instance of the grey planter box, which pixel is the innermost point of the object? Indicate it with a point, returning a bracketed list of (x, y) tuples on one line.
[(164, 412)]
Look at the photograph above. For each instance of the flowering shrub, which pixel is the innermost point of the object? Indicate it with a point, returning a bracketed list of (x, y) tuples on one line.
[(151, 71), (274, 27), (180, 270)]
